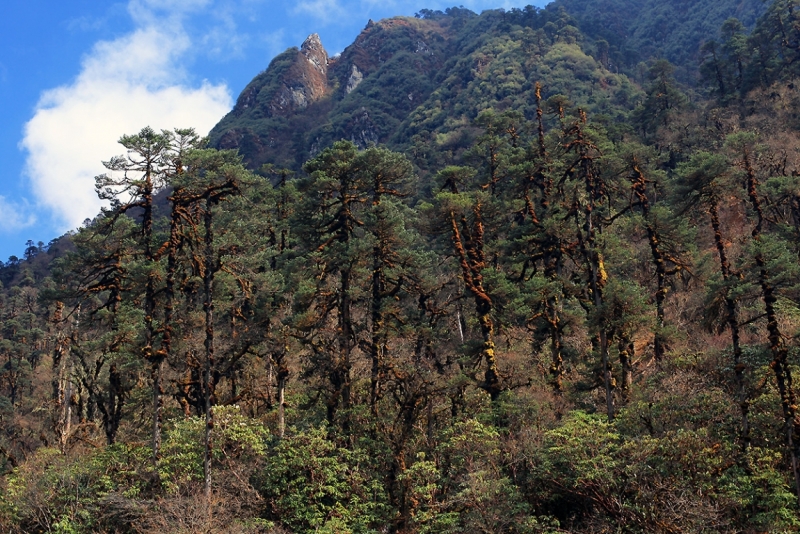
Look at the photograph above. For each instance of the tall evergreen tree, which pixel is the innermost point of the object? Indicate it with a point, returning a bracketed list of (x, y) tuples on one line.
[(130, 187)]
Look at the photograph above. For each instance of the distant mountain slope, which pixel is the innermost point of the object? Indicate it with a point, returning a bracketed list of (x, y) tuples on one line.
[(418, 83), (672, 29), (363, 94), (407, 80)]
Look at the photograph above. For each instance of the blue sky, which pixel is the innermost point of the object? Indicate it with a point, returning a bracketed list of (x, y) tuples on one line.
[(77, 74)]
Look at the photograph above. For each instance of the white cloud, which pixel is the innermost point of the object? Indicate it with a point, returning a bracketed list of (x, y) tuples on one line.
[(85, 23), (138, 80), (157, 12), (222, 41), (325, 11), (274, 42), (124, 85), (15, 216)]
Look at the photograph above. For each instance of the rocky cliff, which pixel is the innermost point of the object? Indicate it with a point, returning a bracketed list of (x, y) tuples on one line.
[(306, 99)]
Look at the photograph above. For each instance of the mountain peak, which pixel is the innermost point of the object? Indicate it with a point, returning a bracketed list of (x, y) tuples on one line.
[(315, 53), (311, 41)]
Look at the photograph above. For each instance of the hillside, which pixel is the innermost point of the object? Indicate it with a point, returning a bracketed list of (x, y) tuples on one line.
[(411, 80), (415, 83), (510, 272), (637, 30)]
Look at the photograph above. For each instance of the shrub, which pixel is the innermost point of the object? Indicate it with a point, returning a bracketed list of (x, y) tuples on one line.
[(312, 484)]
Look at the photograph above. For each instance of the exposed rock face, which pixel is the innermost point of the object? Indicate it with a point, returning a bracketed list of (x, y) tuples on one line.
[(354, 80), (305, 81), (293, 80), (305, 99), (314, 52), (247, 98), (362, 130), (409, 82)]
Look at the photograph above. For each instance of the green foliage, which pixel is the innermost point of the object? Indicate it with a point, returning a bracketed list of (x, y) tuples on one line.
[(311, 484), (587, 463), (423, 341), (237, 440), (55, 493), (469, 492), (639, 29)]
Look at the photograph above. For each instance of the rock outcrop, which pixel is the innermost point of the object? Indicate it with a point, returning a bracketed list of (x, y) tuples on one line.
[(306, 80), (293, 81), (355, 78), (414, 83), (328, 98)]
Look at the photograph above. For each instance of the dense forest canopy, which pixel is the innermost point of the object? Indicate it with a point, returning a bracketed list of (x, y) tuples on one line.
[(528, 271)]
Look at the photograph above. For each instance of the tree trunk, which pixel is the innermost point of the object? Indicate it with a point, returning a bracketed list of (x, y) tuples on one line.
[(61, 382), (281, 406), (552, 261), (469, 251), (626, 350), (149, 353), (166, 333), (208, 306), (780, 354), (378, 345), (279, 360), (733, 324), (340, 374), (659, 261), (593, 259)]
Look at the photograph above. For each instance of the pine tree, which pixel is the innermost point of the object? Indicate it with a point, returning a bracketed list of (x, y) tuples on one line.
[(130, 187), (771, 274), (463, 210), (701, 184)]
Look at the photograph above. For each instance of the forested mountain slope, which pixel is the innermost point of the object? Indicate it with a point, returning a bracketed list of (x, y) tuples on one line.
[(413, 83), (637, 30), (407, 81), (475, 274)]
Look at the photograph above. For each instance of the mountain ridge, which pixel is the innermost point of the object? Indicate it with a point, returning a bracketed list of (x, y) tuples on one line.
[(389, 85)]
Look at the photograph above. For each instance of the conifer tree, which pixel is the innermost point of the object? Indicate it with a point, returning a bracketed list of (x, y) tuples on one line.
[(211, 177), (666, 248), (387, 173), (275, 198), (464, 213), (546, 235), (586, 211), (130, 187), (335, 195), (766, 256), (350, 219), (701, 184), (98, 284)]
